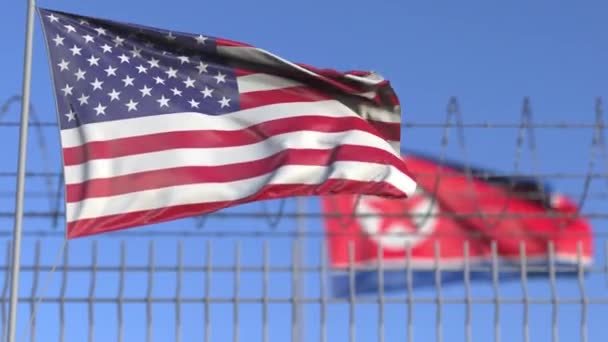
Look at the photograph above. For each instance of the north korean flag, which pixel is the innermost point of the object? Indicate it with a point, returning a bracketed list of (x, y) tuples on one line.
[(458, 215)]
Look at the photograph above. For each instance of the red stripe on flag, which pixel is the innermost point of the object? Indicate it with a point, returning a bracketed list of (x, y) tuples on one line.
[(285, 95), (394, 99), (337, 79), (386, 99), (163, 178), (358, 72), (324, 72), (116, 222), (218, 138), (388, 130), (228, 42), (238, 72)]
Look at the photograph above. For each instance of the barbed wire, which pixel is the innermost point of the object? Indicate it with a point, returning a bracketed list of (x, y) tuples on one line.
[(417, 124), (259, 232), (525, 144), (54, 201)]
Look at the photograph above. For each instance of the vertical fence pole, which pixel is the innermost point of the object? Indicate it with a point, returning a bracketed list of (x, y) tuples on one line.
[(5, 287), (121, 291), (265, 293), (237, 286), (299, 280), (34, 290), (19, 194), (62, 291), (207, 299), (150, 291), (92, 287), (323, 289)]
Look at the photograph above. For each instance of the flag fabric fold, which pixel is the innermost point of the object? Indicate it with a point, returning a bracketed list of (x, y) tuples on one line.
[(157, 125), (458, 217)]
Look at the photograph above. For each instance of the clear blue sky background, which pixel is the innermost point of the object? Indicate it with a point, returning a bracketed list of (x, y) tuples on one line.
[(490, 55)]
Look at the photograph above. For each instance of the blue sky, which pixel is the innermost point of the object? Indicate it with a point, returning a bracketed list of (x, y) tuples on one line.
[(490, 55)]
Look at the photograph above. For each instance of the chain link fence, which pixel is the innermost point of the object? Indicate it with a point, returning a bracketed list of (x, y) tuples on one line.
[(259, 272)]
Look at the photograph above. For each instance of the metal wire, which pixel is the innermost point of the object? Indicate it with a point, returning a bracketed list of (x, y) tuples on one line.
[(234, 274), (592, 300), (552, 125)]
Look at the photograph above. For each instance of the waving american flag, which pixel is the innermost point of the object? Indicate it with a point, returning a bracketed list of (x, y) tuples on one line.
[(158, 125)]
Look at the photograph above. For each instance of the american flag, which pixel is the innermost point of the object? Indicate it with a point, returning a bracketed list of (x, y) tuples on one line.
[(158, 125)]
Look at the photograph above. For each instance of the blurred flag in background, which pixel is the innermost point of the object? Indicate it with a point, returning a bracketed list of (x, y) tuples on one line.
[(457, 214)]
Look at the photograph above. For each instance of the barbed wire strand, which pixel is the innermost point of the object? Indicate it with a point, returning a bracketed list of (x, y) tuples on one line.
[(413, 124), (34, 288), (594, 146), (601, 139), (4, 110), (453, 119), (456, 112), (591, 195), (265, 233), (312, 214), (484, 175), (273, 222), (58, 202), (527, 120)]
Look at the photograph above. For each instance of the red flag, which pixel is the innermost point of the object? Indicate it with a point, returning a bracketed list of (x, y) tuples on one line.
[(449, 211)]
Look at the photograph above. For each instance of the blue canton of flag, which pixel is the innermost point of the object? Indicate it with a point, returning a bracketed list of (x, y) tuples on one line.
[(110, 71)]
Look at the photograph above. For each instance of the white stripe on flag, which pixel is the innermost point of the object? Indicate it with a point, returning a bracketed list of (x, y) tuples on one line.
[(261, 56), (218, 156), (189, 121), (261, 82), (231, 191)]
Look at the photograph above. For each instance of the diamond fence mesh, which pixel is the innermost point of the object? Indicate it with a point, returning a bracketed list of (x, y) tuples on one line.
[(259, 272)]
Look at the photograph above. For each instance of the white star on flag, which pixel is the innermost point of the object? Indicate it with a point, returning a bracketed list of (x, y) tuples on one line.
[(67, 90), (164, 102), (106, 48), (93, 61), (80, 74), (88, 38), (194, 104), (202, 67), (97, 84), (100, 31), (220, 78), (114, 95), (201, 39), (110, 71), (224, 102), (83, 99), (128, 81), (63, 65), (189, 82), (100, 110), (171, 73), (71, 115), (58, 40), (206, 92), (131, 105), (145, 91)]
